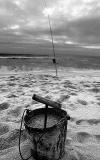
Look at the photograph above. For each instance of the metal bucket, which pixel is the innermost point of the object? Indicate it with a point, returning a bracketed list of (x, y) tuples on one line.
[(47, 143)]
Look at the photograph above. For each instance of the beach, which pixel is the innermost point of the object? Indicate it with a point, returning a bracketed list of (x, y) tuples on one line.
[(78, 91)]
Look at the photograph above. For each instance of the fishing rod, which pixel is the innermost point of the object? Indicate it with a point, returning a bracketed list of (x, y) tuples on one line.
[(52, 39)]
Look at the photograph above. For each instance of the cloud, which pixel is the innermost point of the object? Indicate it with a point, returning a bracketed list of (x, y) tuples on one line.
[(73, 9), (78, 21), (73, 22), (86, 30)]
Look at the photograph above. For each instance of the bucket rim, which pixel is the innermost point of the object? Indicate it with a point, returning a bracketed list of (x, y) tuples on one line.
[(64, 118)]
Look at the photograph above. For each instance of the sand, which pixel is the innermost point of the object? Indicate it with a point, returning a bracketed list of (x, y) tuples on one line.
[(79, 93), (38, 121)]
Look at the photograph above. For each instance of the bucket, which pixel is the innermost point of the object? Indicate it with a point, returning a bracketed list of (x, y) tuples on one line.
[(46, 130), (46, 143)]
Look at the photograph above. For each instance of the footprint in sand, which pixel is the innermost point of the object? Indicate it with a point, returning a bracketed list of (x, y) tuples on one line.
[(15, 112), (13, 78), (25, 85), (82, 136), (83, 102), (93, 121), (90, 121), (95, 90), (80, 121), (11, 84), (4, 106), (3, 129), (97, 138), (63, 98), (12, 96), (4, 90)]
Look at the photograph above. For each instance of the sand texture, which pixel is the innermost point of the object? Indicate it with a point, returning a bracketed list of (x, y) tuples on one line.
[(79, 93)]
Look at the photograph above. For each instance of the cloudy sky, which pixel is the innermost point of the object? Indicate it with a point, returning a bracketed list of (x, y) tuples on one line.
[(24, 25)]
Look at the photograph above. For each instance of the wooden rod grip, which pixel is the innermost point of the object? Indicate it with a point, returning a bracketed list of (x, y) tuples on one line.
[(46, 101)]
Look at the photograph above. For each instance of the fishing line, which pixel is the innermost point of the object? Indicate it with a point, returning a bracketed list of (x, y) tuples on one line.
[(52, 39)]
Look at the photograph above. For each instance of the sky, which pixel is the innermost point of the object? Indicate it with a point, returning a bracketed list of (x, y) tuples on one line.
[(24, 25)]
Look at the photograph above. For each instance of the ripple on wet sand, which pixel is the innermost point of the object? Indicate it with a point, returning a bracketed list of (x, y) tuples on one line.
[(82, 137)]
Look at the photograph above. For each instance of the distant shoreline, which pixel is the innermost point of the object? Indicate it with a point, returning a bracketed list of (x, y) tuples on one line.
[(10, 55)]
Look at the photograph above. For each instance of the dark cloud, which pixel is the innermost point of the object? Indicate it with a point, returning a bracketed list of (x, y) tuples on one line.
[(85, 30)]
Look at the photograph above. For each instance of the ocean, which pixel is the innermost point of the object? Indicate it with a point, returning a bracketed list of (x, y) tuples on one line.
[(26, 63)]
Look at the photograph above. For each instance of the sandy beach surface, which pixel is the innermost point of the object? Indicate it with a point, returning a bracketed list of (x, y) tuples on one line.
[(78, 90)]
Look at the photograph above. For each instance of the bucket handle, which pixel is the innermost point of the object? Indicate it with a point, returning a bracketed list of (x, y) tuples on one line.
[(20, 136), (46, 101)]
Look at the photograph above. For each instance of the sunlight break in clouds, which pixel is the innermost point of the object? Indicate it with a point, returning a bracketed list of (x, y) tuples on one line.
[(20, 3), (13, 27), (49, 11), (72, 9)]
